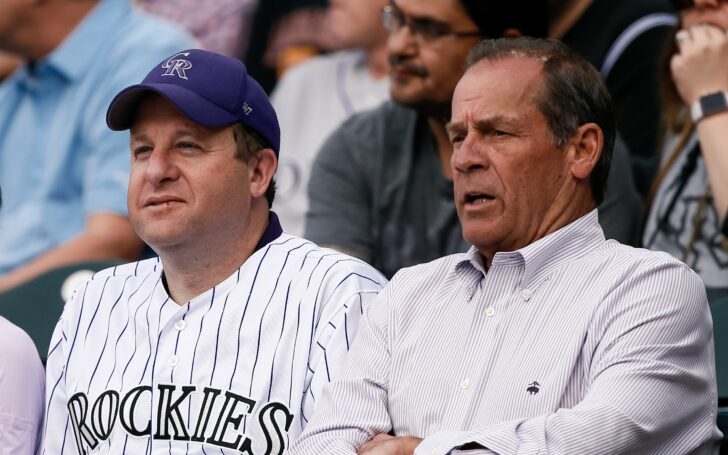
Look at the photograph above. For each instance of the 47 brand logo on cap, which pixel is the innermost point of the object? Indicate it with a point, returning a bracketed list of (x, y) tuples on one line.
[(177, 66)]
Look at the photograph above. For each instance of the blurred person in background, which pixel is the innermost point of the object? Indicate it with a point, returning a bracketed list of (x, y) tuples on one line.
[(284, 33), (623, 39), (22, 382), (687, 216), (313, 98), (63, 172), (220, 26), (381, 187)]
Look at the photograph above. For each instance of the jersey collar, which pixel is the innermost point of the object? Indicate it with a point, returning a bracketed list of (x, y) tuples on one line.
[(272, 232)]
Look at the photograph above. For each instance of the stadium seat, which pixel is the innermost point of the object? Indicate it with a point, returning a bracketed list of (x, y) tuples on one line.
[(719, 310), (36, 305)]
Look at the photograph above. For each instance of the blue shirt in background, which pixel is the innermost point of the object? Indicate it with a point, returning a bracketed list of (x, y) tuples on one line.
[(59, 162)]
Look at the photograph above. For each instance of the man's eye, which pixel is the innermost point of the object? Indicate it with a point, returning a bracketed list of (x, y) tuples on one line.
[(429, 29), (499, 133), (457, 138), (186, 145), (142, 150)]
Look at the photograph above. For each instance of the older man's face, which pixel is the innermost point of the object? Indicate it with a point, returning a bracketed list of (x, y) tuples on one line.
[(186, 186), (507, 174)]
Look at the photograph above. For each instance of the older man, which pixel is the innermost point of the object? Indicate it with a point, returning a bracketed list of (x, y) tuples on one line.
[(222, 344), (381, 187), (544, 337)]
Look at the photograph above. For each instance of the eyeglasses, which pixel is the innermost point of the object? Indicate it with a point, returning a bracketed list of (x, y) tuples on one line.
[(427, 30)]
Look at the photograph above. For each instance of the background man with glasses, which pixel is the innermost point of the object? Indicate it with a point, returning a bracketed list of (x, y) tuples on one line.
[(381, 187)]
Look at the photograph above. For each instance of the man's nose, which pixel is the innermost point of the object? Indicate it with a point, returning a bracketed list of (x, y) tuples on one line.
[(161, 167), (469, 155), (402, 42)]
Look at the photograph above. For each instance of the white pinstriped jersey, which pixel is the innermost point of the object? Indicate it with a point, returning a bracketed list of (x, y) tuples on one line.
[(238, 369)]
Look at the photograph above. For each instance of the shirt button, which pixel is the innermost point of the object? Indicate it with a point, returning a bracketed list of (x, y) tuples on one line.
[(465, 384), (490, 311), (180, 325), (173, 361), (526, 294)]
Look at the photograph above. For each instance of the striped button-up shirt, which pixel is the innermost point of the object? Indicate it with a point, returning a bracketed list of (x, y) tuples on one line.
[(572, 344)]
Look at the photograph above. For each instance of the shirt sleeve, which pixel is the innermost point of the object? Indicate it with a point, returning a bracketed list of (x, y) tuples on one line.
[(21, 400), (361, 389), (340, 197), (651, 382), (344, 306)]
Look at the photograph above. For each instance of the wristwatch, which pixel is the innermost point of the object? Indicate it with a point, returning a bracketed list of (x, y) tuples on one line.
[(709, 104)]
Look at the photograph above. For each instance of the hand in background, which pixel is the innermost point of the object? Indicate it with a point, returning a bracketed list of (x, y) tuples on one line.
[(701, 66)]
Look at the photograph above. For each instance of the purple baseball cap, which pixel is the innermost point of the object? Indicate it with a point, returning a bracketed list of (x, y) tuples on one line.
[(211, 89)]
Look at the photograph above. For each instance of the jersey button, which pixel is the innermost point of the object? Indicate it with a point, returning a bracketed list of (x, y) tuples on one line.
[(180, 325), (465, 385), (490, 311), (173, 361)]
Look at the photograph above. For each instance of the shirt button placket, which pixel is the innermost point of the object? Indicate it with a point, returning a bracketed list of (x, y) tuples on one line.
[(526, 294), (465, 384)]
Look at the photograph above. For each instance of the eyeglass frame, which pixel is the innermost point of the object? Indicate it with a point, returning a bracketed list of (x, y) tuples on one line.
[(418, 27)]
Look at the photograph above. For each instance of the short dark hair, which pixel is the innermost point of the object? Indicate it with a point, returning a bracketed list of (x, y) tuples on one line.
[(249, 143), (494, 17), (573, 94)]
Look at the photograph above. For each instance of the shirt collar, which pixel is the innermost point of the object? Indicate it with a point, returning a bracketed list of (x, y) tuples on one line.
[(541, 257), (272, 231), (75, 55)]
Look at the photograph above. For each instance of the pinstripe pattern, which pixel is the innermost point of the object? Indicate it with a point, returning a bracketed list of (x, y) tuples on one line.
[(272, 332), (572, 345)]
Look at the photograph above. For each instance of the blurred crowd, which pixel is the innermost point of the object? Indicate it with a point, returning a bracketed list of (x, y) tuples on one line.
[(323, 65)]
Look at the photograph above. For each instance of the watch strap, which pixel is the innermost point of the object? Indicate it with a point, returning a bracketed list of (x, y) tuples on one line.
[(712, 103)]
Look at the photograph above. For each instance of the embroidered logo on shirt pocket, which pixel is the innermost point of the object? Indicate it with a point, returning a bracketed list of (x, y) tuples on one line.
[(533, 388)]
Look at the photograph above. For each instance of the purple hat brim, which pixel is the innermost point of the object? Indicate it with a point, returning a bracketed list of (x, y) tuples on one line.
[(123, 107)]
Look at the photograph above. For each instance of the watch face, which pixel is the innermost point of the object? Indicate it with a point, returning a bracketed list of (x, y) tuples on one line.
[(713, 103)]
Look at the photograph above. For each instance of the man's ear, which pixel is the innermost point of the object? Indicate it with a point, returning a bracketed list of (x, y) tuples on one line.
[(262, 168), (584, 149)]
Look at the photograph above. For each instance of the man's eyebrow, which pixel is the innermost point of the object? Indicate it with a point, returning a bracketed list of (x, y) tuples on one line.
[(419, 17), (490, 122), (452, 127), (137, 136), (179, 132)]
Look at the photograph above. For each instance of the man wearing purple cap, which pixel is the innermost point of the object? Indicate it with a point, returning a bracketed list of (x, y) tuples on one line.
[(224, 342)]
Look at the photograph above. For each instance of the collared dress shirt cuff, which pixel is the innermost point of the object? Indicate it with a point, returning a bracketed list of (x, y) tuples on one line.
[(442, 442), (497, 440)]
